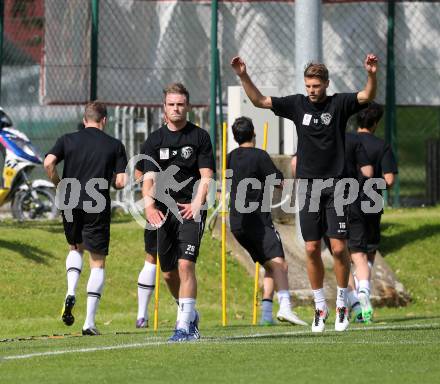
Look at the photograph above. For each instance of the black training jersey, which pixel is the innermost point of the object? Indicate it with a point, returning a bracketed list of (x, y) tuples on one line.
[(379, 154), (248, 163), (189, 149), (321, 131), (87, 154), (355, 156)]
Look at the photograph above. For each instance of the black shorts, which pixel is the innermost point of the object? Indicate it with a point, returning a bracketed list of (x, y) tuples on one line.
[(150, 241), (92, 229), (178, 240), (324, 219), (363, 229), (263, 242)]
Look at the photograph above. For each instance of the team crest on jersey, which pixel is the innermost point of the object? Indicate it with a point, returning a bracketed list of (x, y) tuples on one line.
[(326, 118), (186, 152)]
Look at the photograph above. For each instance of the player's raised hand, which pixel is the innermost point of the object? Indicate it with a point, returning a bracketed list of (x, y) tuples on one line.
[(238, 65), (370, 63)]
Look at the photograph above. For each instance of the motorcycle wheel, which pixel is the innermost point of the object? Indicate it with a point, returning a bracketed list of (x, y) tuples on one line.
[(26, 206)]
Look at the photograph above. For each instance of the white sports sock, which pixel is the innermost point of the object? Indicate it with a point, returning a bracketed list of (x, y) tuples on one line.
[(352, 298), (266, 313), (284, 300), (146, 281), (319, 298), (187, 312), (95, 286), (178, 312), (364, 286), (341, 300), (74, 262)]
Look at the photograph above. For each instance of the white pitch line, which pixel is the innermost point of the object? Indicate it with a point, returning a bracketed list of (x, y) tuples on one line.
[(83, 350), (232, 340)]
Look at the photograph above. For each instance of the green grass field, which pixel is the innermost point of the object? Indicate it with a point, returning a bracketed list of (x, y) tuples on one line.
[(401, 345)]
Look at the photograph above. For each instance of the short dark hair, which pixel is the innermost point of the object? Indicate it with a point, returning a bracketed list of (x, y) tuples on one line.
[(95, 111), (317, 70), (243, 130), (178, 88), (370, 116)]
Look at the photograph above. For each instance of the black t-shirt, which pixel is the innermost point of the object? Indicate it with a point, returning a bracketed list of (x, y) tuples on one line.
[(379, 154), (355, 156), (321, 131), (248, 162), (189, 149), (87, 154)]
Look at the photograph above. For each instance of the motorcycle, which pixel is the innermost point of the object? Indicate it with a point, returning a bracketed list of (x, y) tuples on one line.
[(30, 199)]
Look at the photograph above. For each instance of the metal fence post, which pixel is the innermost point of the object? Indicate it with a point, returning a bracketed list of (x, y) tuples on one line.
[(213, 85), (390, 122), (213, 90), (308, 47), (308, 37), (2, 19), (94, 51)]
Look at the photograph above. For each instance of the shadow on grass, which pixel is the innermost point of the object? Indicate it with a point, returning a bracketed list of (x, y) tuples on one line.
[(51, 226), (394, 242), (28, 251)]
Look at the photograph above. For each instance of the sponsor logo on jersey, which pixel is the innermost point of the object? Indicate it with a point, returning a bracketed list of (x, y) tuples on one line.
[(186, 152), (306, 119), (164, 153), (326, 118)]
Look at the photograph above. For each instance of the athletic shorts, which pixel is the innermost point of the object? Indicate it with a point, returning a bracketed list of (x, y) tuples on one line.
[(150, 241), (178, 240), (318, 217), (91, 229), (363, 230), (262, 241)]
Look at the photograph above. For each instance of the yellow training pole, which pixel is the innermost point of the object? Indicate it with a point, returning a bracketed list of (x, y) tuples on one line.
[(156, 294), (224, 211), (257, 265)]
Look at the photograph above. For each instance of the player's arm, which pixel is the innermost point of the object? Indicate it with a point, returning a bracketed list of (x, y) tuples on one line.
[(254, 94), (50, 163), (120, 180), (191, 210), (369, 92), (367, 171), (293, 162), (153, 215), (389, 179)]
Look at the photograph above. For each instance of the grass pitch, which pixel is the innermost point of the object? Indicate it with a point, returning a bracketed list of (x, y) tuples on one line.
[(401, 345)]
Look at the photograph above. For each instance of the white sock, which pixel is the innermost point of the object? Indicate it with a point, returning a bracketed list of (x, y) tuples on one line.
[(178, 311), (266, 313), (356, 282), (146, 281), (352, 298), (364, 286), (341, 300), (319, 298), (94, 290), (74, 263), (187, 312), (284, 300)]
